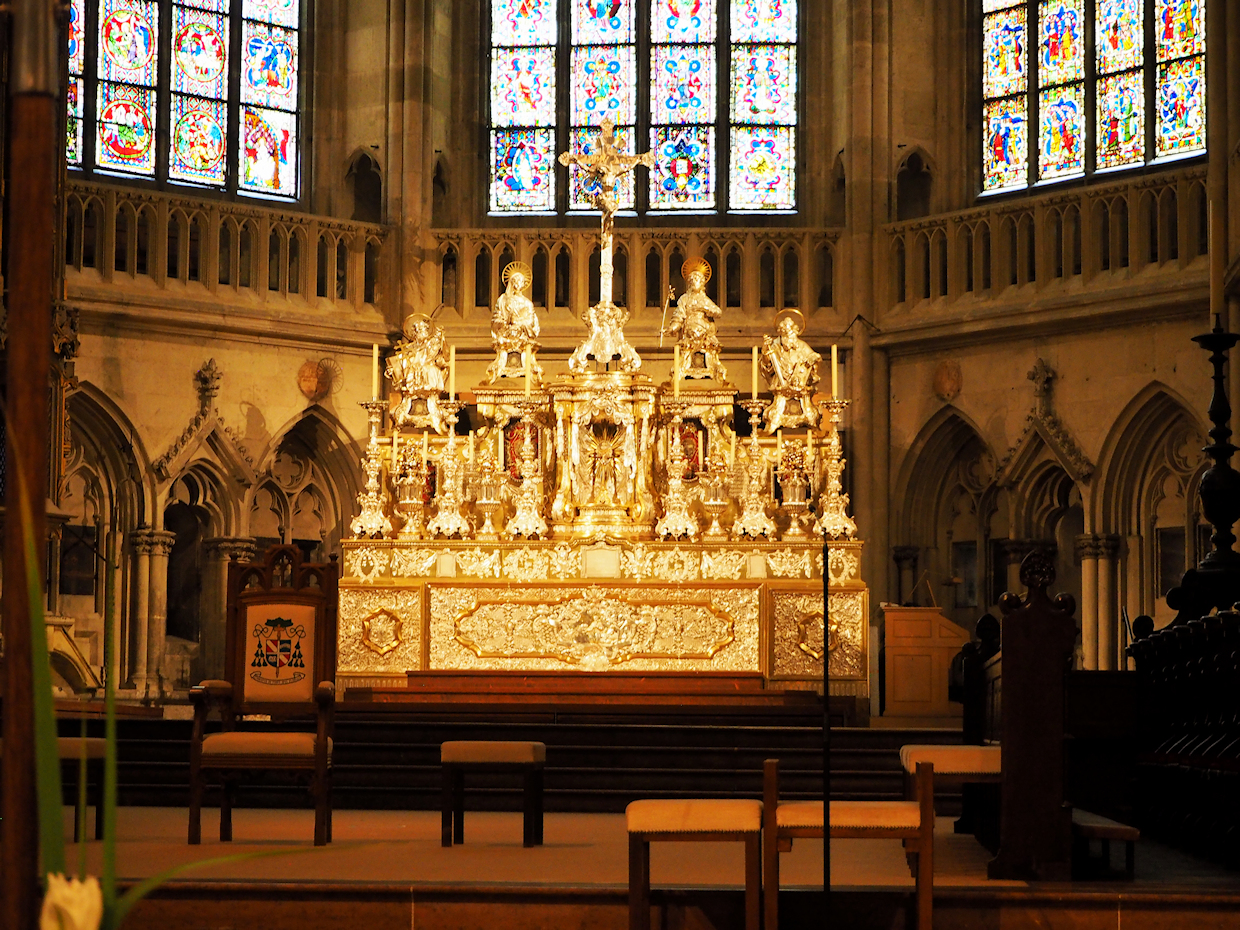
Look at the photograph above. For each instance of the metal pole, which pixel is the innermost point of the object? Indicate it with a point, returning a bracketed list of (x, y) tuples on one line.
[(30, 231), (826, 739)]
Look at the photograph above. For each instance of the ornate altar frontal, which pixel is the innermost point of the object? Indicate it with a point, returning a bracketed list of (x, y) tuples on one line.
[(596, 520)]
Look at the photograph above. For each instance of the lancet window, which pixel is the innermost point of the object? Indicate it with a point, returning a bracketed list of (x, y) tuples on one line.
[(199, 92), (708, 86), (1071, 88)]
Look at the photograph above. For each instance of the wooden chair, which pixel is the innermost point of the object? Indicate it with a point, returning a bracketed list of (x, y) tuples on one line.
[(281, 639), (911, 821)]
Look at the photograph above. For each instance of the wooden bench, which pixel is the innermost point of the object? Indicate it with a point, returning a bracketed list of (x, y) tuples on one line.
[(910, 821), (710, 821), (1087, 827), (969, 768), (460, 756)]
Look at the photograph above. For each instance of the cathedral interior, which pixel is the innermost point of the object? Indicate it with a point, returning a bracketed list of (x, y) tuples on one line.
[(941, 263)]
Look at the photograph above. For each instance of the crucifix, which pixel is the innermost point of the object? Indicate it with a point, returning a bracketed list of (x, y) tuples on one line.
[(604, 166)]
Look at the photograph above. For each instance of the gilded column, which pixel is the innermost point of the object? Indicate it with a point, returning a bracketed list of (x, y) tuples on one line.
[(1088, 549), (1108, 603), (220, 551), (157, 623), (140, 625)]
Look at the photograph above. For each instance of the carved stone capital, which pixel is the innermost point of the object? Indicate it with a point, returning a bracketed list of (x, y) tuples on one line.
[(161, 542), (231, 548), (906, 556), (1089, 546), (1015, 550)]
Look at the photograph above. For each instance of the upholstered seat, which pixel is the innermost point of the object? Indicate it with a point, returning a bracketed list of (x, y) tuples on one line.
[(705, 816), (270, 746), (70, 750), (707, 820), (952, 760), (492, 752), (900, 817)]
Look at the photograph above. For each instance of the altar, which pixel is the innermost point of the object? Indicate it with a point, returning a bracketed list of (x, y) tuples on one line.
[(604, 517)]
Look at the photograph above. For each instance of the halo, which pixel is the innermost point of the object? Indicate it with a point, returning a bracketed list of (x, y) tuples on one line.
[(696, 264), (789, 313), (412, 318), (513, 267)]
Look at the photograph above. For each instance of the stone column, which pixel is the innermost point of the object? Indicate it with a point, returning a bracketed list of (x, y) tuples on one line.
[(1108, 603), (112, 569), (1088, 549), (220, 550), (139, 624), (157, 622), (905, 558)]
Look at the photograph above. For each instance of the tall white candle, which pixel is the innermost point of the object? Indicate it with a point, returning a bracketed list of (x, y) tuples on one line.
[(499, 447), (676, 373), (374, 372), (779, 443), (452, 373), (809, 445), (426, 447), (528, 374), (395, 451), (732, 449), (753, 384), (471, 447), (835, 373)]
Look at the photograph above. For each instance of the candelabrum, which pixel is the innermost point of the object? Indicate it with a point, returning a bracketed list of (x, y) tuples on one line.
[(410, 490), (448, 520), (753, 520), (833, 520), (372, 522), (715, 483), (528, 520), (678, 521), (488, 479), (793, 486)]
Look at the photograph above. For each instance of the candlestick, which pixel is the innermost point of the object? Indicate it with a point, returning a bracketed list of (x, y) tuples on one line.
[(499, 446), (426, 444), (809, 445), (471, 447), (732, 449), (395, 451), (374, 372), (779, 443), (835, 373), (527, 375), (753, 384), (676, 373), (452, 373)]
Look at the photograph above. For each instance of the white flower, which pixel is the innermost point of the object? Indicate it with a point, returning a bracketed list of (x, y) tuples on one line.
[(71, 904)]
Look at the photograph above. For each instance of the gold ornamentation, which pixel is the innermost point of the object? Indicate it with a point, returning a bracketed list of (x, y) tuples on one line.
[(678, 520), (368, 563), (797, 634), (414, 563), (637, 563), (514, 328), (755, 496), (382, 631), (528, 520), (693, 326), (475, 563), (789, 563), (354, 656), (675, 565), (371, 521), (790, 366), (418, 371), (843, 565), (726, 563), (527, 564), (448, 520), (565, 561), (595, 628), (834, 521)]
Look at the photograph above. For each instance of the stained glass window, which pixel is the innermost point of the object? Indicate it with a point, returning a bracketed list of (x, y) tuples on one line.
[(1134, 56), (763, 105), (708, 111), (523, 105), (143, 68)]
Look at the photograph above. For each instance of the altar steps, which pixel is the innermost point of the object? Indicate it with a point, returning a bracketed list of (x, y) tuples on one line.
[(597, 759)]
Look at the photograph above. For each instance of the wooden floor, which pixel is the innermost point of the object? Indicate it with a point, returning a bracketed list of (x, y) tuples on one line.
[(387, 869)]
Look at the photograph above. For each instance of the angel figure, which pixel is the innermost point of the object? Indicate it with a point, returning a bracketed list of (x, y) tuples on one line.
[(790, 366), (514, 327), (418, 370), (693, 324)]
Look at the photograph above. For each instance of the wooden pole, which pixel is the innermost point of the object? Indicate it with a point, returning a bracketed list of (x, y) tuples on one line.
[(826, 737), (30, 228)]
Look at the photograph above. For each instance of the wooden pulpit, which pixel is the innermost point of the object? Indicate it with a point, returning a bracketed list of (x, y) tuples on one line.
[(920, 645)]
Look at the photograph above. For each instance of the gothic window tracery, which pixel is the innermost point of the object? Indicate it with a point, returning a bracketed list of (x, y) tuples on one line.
[(709, 86), (1071, 89), (197, 92)]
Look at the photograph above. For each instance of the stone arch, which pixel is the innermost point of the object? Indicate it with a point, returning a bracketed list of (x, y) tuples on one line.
[(365, 182), (914, 185)]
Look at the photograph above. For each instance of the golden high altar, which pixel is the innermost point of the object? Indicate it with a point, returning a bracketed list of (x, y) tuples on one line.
[(595, 520)]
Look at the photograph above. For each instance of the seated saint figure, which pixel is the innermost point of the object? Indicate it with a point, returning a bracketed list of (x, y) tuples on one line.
[(693, 324), (418, 371), (790, 366), (514, 328)]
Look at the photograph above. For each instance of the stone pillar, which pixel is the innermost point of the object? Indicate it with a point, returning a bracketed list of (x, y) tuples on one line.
[(141, 608), (905, 558), (112, 569), (220, 550), (1088, 549), (157, 622), (1108, 603)]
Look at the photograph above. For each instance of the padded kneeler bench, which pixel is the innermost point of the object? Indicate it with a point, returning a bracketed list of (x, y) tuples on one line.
[(459, 756), (710, 821)]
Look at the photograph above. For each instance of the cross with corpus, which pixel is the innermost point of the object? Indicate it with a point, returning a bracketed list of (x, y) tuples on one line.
[(604, 166)]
